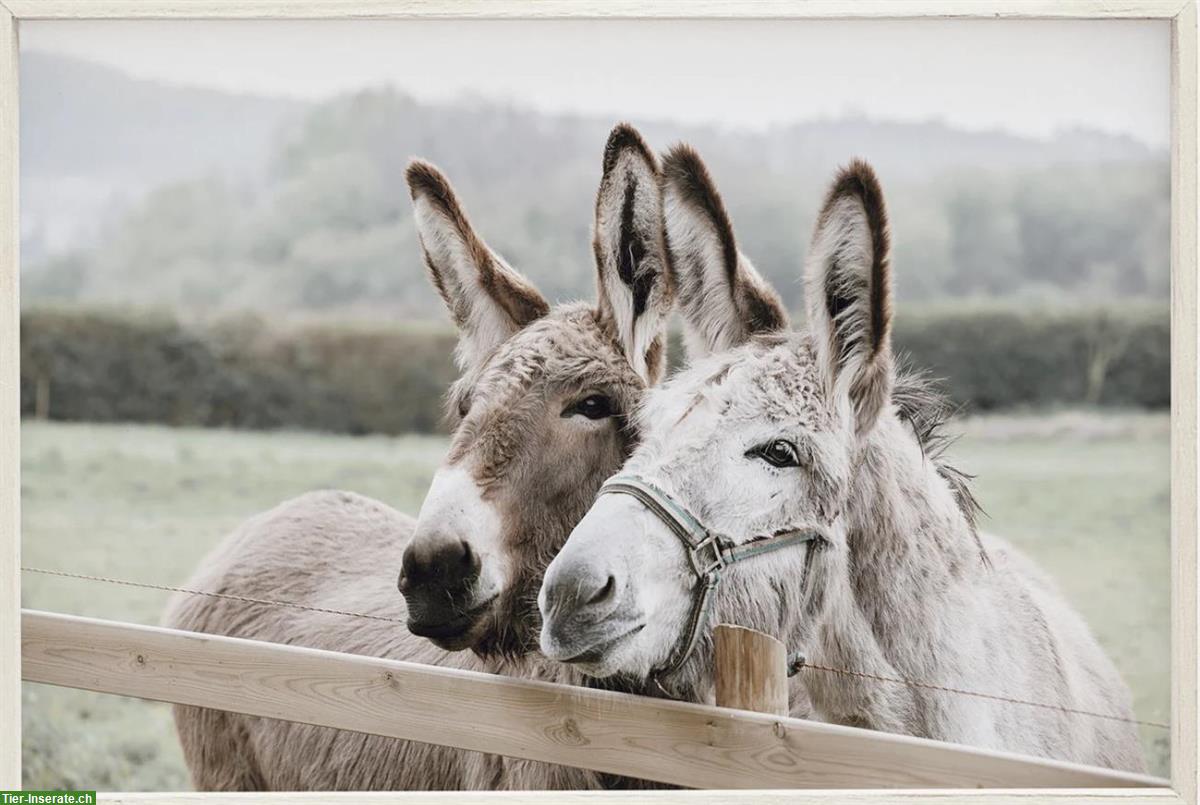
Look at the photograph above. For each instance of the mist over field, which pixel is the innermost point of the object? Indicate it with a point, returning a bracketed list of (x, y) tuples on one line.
[(144, 194)]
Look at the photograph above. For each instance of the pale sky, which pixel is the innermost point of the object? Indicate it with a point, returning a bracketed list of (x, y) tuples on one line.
[(1031, 78)]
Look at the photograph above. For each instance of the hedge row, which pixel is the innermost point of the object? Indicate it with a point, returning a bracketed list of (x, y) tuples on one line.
[(1002, 358), (108, 367), (104, 367)]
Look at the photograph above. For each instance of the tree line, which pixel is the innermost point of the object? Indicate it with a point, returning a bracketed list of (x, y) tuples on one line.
[(246, 372)]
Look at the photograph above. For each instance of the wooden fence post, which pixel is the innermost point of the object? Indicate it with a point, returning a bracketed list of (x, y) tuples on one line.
[(751, 670)]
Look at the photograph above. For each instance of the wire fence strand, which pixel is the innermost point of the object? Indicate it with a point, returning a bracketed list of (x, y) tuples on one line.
[(944, 689), (226, 596), (805, 666)]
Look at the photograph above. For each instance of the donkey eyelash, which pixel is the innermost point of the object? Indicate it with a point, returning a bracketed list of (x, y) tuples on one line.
[(592, 406), (779, 453)]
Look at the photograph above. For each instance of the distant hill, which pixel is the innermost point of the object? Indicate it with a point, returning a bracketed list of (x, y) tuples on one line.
[(140, 193), (914, 150), (91, 135), (84, 119)]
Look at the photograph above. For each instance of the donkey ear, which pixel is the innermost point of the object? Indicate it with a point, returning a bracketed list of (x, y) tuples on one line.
[(634, 287), (723, 299), (849, 294), (488, 300)]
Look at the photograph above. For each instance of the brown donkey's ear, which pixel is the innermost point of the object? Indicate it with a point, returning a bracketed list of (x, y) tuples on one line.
[(848, 291), (723, 299), (633, 285), (488, 300)]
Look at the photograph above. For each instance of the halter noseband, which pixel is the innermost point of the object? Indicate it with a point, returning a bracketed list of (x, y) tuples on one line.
[(708, 553)]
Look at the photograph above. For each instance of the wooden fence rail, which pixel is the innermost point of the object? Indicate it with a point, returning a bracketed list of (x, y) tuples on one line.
[(672, 742)]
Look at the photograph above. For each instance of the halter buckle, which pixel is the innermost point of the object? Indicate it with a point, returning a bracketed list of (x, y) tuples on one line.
[(708, 566)]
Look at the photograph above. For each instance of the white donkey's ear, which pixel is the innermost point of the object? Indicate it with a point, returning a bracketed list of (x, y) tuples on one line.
[(634, 287), (722, 298), (848, 292), (488, 300)]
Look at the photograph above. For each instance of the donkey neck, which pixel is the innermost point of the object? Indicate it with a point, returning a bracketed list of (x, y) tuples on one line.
[(908, 541), (909, 553)]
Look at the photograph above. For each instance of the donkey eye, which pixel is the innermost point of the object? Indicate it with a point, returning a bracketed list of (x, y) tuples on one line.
[(777, 453), (596, 406)]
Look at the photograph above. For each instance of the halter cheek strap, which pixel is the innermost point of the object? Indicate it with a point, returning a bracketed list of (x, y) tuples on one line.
[(708, 553)]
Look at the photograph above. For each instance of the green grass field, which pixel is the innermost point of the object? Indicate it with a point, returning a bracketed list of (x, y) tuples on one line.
[(1086, 495)]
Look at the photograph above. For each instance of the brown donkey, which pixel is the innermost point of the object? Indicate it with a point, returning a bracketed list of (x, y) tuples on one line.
[(540, 421)]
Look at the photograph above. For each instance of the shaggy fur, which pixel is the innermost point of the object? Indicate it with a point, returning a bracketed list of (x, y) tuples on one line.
[(539, 466), (901, 585)]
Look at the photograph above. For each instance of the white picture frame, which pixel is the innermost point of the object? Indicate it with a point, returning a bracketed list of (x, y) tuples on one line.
[(1182, 16)]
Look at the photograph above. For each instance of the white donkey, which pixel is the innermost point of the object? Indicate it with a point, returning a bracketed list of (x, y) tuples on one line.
[(812, 447)]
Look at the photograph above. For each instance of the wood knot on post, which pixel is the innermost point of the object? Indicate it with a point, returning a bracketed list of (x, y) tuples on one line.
[(140, 660), (568, 733)]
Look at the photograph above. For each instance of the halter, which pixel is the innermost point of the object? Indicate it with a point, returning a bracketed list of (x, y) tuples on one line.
[(708, 553)]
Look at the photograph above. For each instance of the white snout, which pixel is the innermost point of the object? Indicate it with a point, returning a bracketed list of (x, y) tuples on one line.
[(455, 506), (624, 630)]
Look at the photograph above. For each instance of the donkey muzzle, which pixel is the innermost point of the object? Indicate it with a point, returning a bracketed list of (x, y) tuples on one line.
[(583, 612), (439, 578)]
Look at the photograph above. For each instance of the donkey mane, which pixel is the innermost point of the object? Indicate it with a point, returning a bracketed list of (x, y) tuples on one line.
[(923, 405)]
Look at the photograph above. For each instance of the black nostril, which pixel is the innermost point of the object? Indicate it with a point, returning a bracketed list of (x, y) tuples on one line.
[(605, 592), (410, 568), (439, 564)]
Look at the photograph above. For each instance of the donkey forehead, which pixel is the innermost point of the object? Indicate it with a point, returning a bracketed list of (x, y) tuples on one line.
[(566, 348), (766, 381)]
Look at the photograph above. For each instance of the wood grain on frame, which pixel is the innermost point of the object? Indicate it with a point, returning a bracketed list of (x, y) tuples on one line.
[(10, 424), (1184, 677), (611, 9)]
